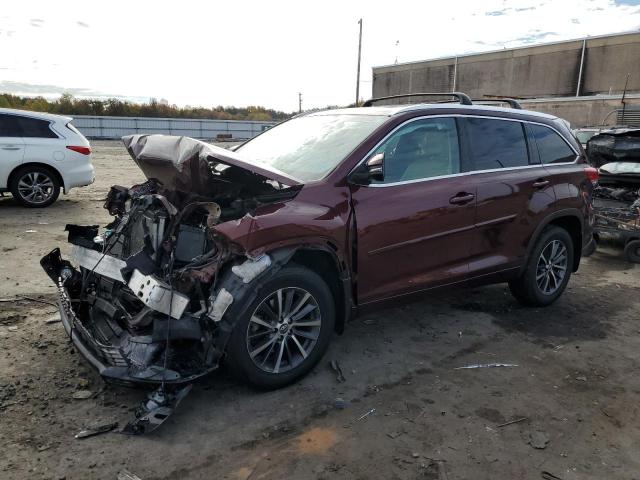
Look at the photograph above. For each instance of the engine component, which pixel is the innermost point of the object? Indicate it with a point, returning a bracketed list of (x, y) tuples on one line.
[(116, 200), (188, 328), (148, 232), (191, 243), (251, 268), (99, 263), (220, 305), (82, 235), (157, 295)]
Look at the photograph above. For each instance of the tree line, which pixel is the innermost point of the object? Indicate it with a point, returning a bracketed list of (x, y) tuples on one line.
[(69, 105)]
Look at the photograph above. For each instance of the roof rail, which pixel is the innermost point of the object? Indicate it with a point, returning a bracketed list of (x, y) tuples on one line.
[(512, 102), (463, 98)]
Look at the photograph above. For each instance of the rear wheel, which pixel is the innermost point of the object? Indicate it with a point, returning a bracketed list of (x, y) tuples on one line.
[(35, 187), (547, 271), (285, 331), (632, 251)]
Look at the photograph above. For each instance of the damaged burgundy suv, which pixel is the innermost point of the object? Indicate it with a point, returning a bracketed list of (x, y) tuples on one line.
[(257, 256)]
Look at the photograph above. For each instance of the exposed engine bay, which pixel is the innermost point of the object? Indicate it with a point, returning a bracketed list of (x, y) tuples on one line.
[(616, 154), (145, 297), (621, 195)]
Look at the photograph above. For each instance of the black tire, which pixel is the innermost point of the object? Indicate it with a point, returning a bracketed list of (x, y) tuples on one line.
[(526, 288), (35, 187), (632, 251), (239, 360)]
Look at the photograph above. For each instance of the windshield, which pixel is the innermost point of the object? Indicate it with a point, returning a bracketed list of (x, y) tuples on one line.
[(583, 137), (620, 168), (308, 148)]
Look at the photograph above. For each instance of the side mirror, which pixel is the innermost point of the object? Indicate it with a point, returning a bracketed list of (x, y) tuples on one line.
[(372, 169)]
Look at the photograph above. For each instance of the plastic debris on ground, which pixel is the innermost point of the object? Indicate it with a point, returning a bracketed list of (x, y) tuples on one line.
[(486, 365), (160, 404), (335, 366), (96, 430)]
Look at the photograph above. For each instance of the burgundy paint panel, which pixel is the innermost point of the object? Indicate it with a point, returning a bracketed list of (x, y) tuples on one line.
[(509, 207), (316, 216), (573, 189), (411, 237)]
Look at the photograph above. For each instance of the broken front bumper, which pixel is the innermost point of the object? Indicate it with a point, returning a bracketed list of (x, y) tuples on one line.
[(126, 358), (110, 361)]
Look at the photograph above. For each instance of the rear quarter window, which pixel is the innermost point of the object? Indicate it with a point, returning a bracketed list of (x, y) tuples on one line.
[(495, 143), (72, 127), (552, 148)]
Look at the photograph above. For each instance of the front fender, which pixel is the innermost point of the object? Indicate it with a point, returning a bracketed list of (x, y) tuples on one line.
[(243, 294), (287, 224)]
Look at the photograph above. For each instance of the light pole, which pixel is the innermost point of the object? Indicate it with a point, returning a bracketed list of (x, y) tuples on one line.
[(359, 52), (299, 102)]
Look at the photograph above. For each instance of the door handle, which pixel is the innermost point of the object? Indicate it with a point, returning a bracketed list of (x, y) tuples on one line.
[(540, 183), (11, 148), (462, 198)]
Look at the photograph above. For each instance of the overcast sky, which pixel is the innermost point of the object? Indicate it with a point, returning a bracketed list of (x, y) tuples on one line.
[(265, 52)]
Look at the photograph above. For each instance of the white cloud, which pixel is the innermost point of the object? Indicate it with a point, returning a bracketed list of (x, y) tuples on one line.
[(256, 52)]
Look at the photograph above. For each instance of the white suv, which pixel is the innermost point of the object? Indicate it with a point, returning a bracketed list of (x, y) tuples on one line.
[(41, 153)]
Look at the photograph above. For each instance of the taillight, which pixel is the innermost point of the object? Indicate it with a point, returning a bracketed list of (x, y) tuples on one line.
[(592, 174), (82, 150)]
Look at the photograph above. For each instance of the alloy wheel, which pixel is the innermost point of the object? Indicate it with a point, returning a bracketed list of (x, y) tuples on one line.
[(36, 187), (283, 330), (552, 267)]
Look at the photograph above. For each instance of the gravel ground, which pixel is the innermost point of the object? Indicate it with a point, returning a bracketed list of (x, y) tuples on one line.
[(573, 394)]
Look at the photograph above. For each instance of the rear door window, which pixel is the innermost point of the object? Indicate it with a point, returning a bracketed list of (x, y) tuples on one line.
[(35, 128), (494, 144), (9, 126), (551, 146)]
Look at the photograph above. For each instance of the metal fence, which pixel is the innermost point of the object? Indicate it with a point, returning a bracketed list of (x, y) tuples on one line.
[(116, 127)]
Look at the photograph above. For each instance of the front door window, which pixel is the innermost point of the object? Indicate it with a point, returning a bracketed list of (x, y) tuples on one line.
[(421, 149)]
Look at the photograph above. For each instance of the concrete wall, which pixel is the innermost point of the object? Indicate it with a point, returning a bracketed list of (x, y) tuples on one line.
[(116, 127), (550, 70), (586, 111)]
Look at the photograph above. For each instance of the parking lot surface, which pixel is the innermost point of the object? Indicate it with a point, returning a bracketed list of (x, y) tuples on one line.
[(563, 400)]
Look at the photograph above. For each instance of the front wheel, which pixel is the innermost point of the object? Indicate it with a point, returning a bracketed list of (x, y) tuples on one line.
[(283, 334), (547, 271)]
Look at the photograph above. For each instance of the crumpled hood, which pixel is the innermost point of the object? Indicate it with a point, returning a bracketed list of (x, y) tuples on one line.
[(615, 145), (189, 165)]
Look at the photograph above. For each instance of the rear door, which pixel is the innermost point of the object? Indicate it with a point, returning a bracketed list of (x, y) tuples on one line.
[(11, 147), (565, 174), (414, 229), (41, 143), (513, 192)]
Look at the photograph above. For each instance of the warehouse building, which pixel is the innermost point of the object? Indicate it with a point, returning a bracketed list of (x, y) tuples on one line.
[(590, 81)]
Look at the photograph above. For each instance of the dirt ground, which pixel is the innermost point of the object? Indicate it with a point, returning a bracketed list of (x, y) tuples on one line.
[(405, 411)]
